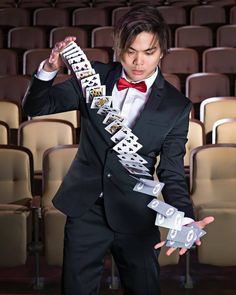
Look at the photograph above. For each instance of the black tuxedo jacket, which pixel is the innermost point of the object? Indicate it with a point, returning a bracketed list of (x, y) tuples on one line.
[(161, 127)]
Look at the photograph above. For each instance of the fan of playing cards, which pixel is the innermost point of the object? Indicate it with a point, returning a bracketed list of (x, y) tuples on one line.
[(127, 146)]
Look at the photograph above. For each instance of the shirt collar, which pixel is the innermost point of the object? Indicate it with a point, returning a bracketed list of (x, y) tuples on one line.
[(149, 81)]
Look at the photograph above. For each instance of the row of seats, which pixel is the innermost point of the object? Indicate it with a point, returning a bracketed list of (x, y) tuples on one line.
[(197, 37), (44, 132), (103, 3), (56, 17), (212, 191)]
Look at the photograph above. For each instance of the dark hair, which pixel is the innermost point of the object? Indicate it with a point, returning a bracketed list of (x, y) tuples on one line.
[(141, 18)]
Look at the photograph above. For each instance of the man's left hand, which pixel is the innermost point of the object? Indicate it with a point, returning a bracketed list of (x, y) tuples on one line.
[(201, 224)]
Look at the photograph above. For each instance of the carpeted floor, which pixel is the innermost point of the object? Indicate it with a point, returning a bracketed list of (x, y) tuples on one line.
[(206, 279)]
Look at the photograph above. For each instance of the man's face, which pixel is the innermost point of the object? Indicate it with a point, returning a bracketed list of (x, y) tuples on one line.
[(142, 57)]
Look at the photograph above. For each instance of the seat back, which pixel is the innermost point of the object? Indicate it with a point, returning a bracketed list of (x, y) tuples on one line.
[(102, 37), (56, 162), (10, 113), (32, 58), (14, 17), (51, 17), (4, 133), (60, 33), (16, 93), (9, 62), (219, 60), (90, 16), (27, 38), (196, 137), (213, 174), (223, 131), (39, 135), (207, 15), (226, 36), (15, 175), (98, 54), (200, 86), (216, 108)]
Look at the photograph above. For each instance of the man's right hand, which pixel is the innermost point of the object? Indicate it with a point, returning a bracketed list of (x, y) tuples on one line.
[(54, 62)]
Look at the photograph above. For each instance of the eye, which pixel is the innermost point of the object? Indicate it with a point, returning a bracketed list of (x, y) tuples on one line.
[(130, 52), (150, 52)]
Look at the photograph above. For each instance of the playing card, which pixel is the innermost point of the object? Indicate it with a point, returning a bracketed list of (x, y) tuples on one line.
[(187, 235), (128, 145), (130, 157), (70, 48), (162, 207), (134, 165), (114, 126), (110, 117), (121, 134), (173, 222), (153, 190), (91, 81), (100, 101), (104, 110), (175, 244), (69, 55), (77, 59), (81, 66), (84, 74), (91, 92), (200, 232), (137, 171)]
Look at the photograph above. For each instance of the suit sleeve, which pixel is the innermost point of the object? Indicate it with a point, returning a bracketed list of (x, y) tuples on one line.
[(42, 98), (171, 167)]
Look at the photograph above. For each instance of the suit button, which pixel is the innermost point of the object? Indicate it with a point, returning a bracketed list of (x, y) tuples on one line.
[(108, 175)]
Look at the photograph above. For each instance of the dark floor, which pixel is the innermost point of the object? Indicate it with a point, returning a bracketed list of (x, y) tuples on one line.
[(207, 279)]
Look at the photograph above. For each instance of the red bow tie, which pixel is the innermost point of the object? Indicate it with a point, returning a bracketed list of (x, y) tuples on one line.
[(123, 84)]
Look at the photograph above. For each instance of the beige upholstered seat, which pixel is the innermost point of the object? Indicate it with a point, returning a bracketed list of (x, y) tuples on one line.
[(39, 135), (15, 196), (224, 131), (218, 246), (56, 162), (216, 108), (10, 113), (213, 182), (213, 174), (4, 133), (196, 137)]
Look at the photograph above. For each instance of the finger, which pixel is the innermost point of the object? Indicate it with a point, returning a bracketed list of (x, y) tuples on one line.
[(159, 245), (198, 243), (205, 221), (182, 251), (69, 39), (170, 251)]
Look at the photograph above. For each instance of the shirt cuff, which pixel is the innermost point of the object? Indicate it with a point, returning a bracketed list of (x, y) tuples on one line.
[(44, 75)]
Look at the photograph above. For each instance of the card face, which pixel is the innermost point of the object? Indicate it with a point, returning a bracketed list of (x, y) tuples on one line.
[(187, 235), (121, 134), (77, 59), (70, 48), (136, 171), (91, 92), (81, 66), (104, 110), (110, 117), (100, 101), (175, 244), (131, 157), (114, 126), (173, 222), (133, 165), (153, 190), (91, 81), (84, 74), (128, 145), (162, 208), (70, 55)]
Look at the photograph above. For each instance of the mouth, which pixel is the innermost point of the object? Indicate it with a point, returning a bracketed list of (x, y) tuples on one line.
[(138, 72)]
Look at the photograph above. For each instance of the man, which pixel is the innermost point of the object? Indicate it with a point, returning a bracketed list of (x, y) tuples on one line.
[(97, 194)]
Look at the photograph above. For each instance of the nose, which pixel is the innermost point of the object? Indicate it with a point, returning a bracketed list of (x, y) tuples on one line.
[(138, 60)]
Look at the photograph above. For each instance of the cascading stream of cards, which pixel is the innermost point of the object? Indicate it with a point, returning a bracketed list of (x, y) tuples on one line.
[(127, 146)]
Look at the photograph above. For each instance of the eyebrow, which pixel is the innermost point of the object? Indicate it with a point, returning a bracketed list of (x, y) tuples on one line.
[(151, 48)]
